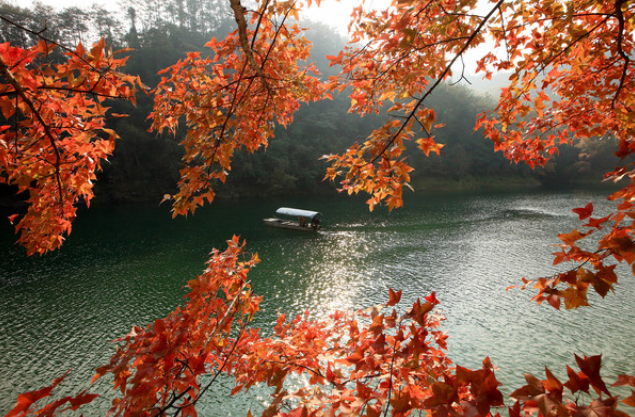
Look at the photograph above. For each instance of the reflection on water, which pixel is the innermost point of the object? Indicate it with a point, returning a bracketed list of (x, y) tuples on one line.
[(125, 267)]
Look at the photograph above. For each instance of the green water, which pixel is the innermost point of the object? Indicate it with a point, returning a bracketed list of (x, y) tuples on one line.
[(126, 266)]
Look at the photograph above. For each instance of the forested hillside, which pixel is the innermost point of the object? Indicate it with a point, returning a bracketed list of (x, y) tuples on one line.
[(145, 166)]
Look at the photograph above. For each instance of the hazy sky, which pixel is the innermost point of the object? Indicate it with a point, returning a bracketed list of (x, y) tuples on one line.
[(60, 4), (331, 12)]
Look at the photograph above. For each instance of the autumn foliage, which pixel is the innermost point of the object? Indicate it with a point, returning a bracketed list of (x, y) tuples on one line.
[(256, 78), (54, 136), (571, 78)]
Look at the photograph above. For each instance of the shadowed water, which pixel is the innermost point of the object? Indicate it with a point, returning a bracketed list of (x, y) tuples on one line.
[(126, 266)]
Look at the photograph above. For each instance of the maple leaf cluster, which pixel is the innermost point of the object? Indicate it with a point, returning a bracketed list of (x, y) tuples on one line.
[(54, 137), (405, 53), (572, 79), (231, 101), (159, 368)]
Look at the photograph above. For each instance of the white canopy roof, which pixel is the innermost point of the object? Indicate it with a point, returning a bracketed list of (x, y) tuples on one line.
[(297, 212)]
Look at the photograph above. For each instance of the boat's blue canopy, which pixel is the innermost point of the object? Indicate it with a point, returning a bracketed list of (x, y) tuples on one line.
[(297, 212)]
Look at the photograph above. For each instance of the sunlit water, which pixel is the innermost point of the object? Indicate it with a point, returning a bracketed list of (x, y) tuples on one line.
[(127, 266)]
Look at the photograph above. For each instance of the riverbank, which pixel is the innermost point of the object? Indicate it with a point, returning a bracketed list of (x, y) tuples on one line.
[(108, 196)]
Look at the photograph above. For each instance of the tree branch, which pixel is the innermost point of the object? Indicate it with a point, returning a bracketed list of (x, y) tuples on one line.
[(6, 72), (65, 48), (620, 18), (239, 15), (446, 70)]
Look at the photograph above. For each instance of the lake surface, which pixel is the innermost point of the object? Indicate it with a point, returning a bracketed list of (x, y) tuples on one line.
[(126, 266)]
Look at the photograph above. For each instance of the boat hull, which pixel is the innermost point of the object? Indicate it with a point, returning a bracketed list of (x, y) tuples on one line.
[(288, 224)]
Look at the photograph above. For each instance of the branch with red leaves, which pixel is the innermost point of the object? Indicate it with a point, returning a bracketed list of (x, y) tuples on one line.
[(57, 138)]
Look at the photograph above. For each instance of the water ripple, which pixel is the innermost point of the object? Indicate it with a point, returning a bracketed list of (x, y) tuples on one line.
[(125, 267)]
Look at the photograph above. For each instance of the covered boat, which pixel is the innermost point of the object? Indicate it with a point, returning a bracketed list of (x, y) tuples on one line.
[(295, 219)]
